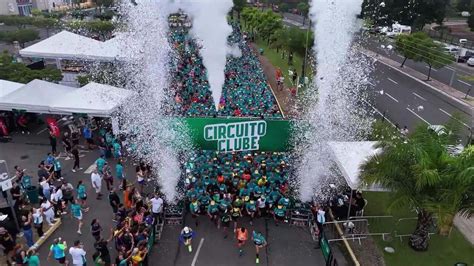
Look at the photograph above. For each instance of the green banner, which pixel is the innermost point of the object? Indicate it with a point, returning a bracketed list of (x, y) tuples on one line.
[(239, 134)]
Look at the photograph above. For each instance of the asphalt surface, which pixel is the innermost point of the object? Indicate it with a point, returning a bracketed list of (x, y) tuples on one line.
[(450, 75), (288, 245), (407, 102)]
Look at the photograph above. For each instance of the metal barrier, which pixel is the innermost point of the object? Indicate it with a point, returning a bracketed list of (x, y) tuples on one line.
[(174, 215), (410, 234), (300, 217)]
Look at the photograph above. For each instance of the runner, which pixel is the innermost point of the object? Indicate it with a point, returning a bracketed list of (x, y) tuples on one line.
[(195, 209), (242, 236), (251, 208), (76, 212), (122, 182), (236, 214), (186, 237), (57, 250), (260, 242), (225, 222), (213, 211), (96, 181), (82, 195)]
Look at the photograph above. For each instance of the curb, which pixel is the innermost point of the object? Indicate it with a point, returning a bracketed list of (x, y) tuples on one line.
[(46, 235)]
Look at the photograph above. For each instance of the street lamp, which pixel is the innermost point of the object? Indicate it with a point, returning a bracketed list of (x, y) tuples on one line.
[(303, 67)]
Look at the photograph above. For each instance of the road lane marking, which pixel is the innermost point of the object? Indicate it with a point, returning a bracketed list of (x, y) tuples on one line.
[(450, 115), (465, 83), (391, 97), (422, 119), (197, 252), (432, 69), (450, 68), (392, 80), (90, 169), (417, 95)]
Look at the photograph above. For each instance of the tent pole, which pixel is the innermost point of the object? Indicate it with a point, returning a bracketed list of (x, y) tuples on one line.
[(350, 205)]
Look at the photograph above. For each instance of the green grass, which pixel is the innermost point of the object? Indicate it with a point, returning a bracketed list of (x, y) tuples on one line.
[(442, 250), (277, 61)]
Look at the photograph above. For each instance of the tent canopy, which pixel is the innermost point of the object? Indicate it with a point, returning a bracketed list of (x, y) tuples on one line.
[(94, 99), (7, 87), (349, 157), (68, 45), (35, 97)]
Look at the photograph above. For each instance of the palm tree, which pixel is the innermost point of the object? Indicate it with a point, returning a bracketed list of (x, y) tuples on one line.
[(424, 176)]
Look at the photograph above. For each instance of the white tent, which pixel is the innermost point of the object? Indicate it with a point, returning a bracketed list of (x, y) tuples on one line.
[(94, 99), (349, 156), (7, 87), (68, 45), (35, 97)]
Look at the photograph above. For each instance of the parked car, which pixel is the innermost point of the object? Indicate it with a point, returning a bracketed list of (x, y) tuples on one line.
[(470, 62)]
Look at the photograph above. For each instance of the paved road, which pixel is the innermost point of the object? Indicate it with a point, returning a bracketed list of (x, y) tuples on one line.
[(450, 75), (408, 102)]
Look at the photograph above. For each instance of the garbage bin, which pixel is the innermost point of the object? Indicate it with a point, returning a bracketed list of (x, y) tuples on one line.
[(32, 193)]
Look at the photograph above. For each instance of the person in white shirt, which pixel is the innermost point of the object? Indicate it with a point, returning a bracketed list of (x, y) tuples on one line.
[(157, 208), (48, 211), (96, 180), (38, 220), (78, 254)]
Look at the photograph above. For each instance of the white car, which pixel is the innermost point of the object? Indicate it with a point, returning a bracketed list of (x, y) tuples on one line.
[(470, 61)]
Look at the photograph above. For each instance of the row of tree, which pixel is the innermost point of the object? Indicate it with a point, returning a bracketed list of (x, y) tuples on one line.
[(420, 47), (424, 176), (19, 72), (268, 26), (406, 12)]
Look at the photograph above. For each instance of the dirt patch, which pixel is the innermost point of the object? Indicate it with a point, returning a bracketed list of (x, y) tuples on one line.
[(368, 253)]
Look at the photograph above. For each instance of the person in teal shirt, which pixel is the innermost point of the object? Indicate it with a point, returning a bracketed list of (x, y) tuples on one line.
[(100, 164), (57, 168), (57, 250), (120, 176), (213, 211), (194, 208), (117, 150), (81, 193), (76, 212), (251, 208), (32, 258), (260, 242), (279, 214)]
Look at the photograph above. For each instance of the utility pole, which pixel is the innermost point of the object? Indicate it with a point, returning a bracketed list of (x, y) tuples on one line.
[(303, 67)]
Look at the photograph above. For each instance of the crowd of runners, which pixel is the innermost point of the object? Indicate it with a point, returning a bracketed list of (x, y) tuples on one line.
[(223, 186)]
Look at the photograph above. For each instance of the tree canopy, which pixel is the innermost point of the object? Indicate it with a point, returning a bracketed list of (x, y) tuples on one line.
[(420, 47), (423, 175), (19, 72), (22, 36), (406, 12)]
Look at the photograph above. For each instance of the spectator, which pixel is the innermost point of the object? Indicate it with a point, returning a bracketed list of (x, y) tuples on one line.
[(78, 254), (8, 244), (38, 220), (114, 200), (96, 229)]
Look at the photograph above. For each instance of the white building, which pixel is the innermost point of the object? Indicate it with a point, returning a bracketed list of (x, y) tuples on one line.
[(43, 5), (8, 7)]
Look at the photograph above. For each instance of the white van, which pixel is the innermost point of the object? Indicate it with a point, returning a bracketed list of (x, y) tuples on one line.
[(398, 29)]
